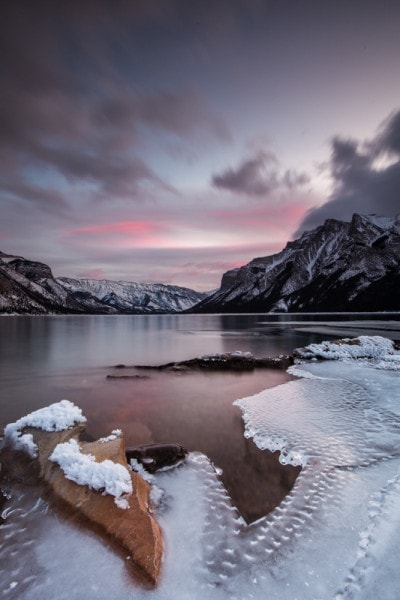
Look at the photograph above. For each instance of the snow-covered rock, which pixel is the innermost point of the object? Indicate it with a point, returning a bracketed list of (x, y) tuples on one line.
[(92, 479), (338, 266), (364, 346)]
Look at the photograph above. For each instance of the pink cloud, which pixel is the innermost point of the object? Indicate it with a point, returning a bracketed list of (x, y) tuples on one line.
[(122, 233), (286, 216), (124, 227), (269, 227)]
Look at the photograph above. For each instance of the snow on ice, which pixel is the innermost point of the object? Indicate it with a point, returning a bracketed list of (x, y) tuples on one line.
[(366, 347), (334, 537)]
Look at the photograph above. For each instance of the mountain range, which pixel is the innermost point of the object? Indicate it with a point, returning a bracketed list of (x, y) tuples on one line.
[(29, 287), (337, 267)]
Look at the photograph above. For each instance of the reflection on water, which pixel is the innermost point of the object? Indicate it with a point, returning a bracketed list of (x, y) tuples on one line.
[(45, 359), (195, 409)]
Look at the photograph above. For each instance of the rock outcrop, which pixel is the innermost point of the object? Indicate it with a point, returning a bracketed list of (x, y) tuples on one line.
[(230, 361)]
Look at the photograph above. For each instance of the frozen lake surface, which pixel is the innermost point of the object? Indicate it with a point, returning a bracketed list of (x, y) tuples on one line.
[(335, 535)]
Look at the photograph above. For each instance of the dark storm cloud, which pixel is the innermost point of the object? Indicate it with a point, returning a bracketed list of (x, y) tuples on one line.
[(255, 177), (361, 183), (48, 199), (50, 133), (389, 139), (258, 176), (292, 180), (66, 103), (346, 158)]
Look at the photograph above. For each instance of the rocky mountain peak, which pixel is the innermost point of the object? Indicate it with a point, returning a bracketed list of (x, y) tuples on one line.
[(33, 270), (339, 266)]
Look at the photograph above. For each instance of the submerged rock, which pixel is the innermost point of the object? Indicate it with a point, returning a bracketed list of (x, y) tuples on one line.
[(127, 377), (155, 457), (122, 511), (230, 361)]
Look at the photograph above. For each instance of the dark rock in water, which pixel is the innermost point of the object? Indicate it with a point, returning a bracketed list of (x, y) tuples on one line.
[(3, 499), (235, 361), (154, 457), (284, 361), (16, 466), (127, 377)]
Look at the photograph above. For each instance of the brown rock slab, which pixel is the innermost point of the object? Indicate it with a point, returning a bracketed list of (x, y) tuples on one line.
[(133, 529)]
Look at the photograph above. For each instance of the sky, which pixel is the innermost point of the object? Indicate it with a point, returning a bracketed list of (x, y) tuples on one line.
[(172, 140)]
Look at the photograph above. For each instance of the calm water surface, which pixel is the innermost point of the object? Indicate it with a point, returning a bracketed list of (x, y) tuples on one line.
[(46, 359)]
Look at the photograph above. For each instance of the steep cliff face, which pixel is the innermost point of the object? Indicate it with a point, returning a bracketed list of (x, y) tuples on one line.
[(28, 287), (338, 266)]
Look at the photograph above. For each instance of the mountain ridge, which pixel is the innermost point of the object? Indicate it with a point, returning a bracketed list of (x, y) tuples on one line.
[(337, 267), (29, 287)]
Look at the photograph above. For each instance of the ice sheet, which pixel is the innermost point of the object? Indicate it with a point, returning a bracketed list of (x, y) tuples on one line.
[(335, 536)]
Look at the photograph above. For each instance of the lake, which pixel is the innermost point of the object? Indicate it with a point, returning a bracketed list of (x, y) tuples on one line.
[(46, 359)]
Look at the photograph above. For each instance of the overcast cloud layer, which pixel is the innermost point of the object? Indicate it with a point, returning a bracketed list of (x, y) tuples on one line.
[(170, 141)]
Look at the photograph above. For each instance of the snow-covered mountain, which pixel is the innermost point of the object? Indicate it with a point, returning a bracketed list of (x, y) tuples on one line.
[(128, 297), (338, 266), (28, 287)]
